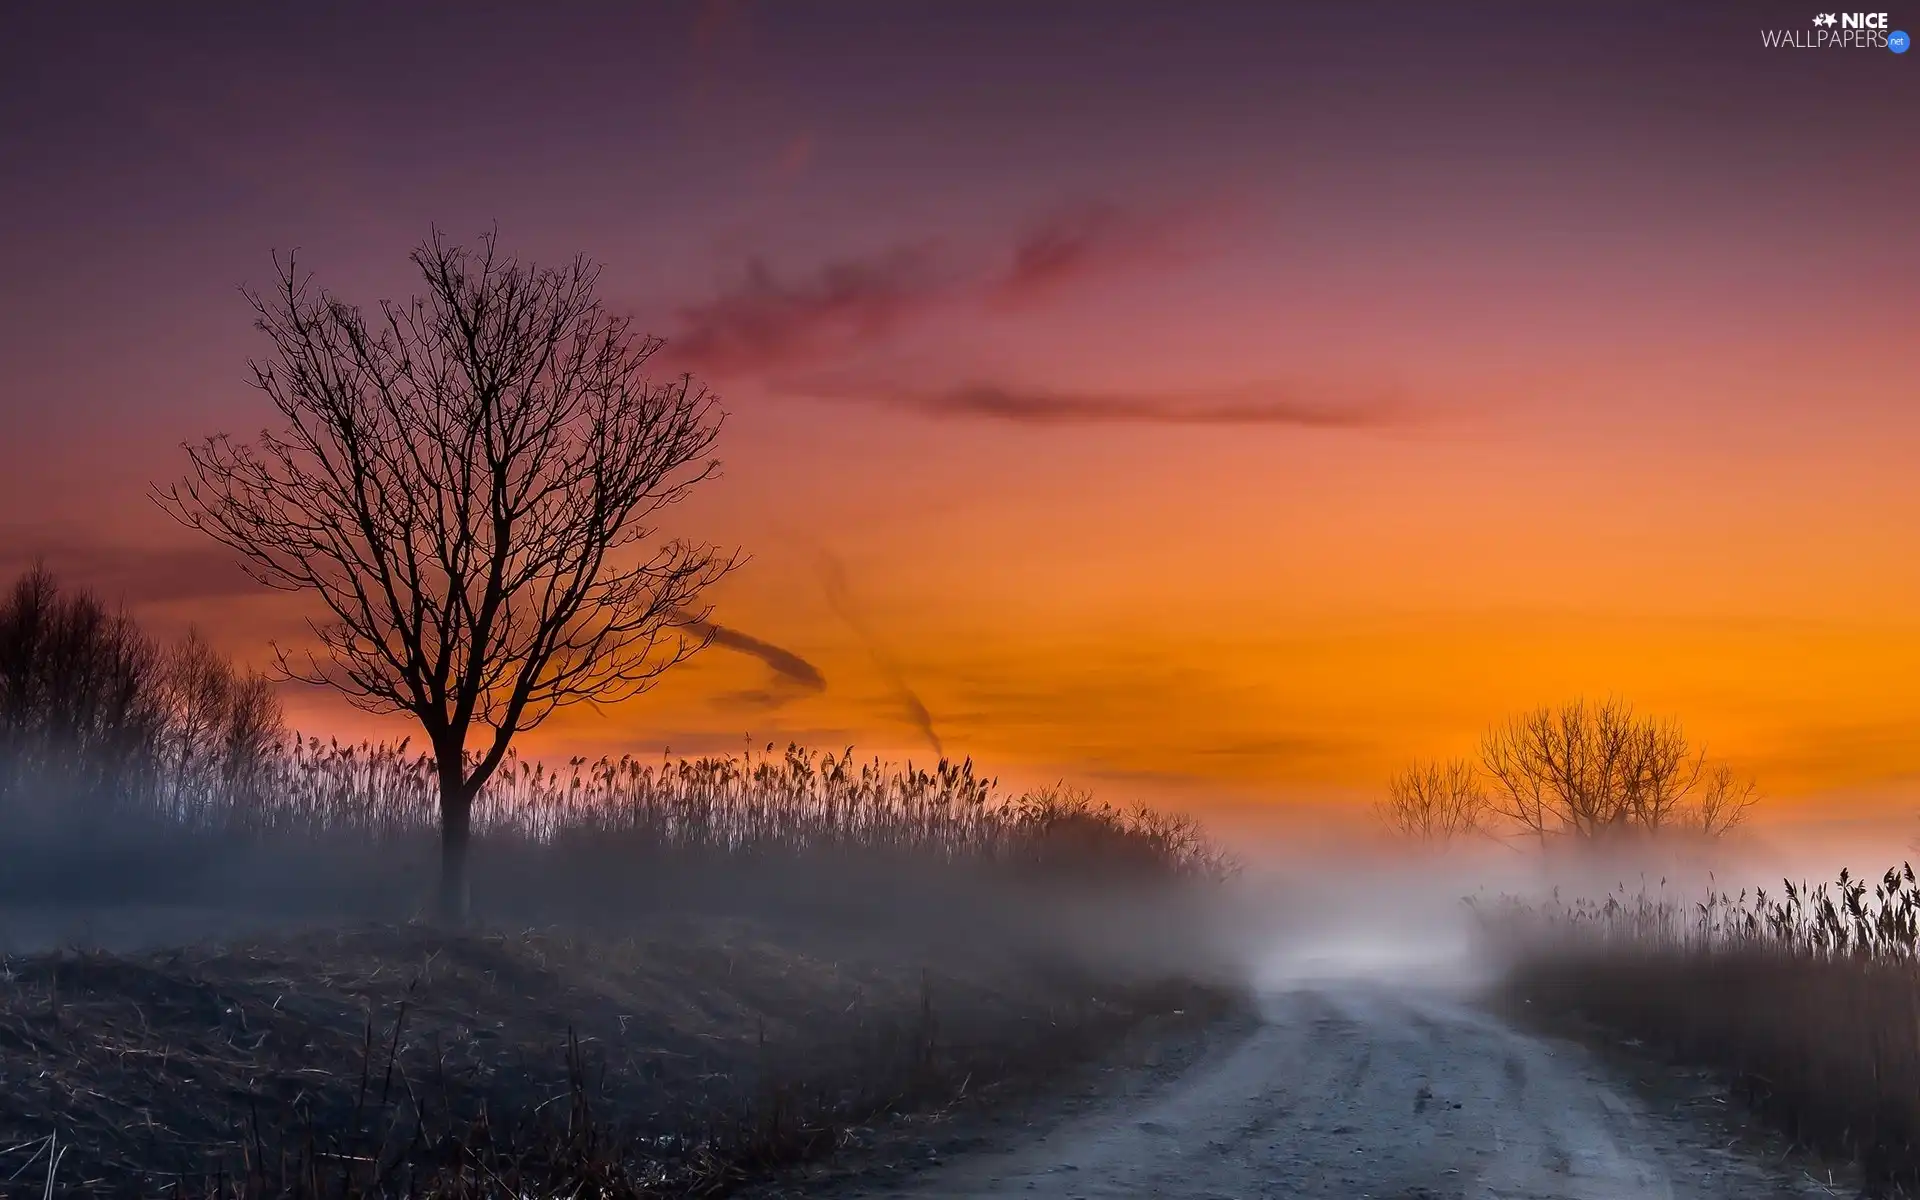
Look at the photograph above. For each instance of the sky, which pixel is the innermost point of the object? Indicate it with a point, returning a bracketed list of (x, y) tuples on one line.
[(1212, 404)]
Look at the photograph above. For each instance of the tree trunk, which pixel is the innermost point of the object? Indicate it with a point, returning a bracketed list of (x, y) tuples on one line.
[(456, 823)]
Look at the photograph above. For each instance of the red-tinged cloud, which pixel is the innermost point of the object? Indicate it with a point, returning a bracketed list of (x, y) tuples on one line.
[(764, 322), (1075, 243), (1255, 404), (794, 156), (769, 322)]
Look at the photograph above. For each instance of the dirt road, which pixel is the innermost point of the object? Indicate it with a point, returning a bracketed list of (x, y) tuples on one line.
[(1389, 1093)]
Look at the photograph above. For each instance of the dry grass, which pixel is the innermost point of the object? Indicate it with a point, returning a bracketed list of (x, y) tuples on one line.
[(755, 802), (395, 1061), (755, 992), (1808, 1000), (318, 815)]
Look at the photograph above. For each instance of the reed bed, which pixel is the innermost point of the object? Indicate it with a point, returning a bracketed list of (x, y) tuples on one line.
[(1807, 999), (376, 797), (754, 802)]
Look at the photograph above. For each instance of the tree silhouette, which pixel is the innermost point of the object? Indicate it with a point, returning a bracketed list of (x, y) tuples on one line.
[(469, 483), (1582, 772), (1435, 803), (1600, 770)]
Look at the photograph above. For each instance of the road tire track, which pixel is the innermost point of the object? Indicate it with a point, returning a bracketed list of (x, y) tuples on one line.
[(1357, 1091)]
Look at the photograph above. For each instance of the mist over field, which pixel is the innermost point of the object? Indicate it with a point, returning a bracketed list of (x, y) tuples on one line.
[(953, 600)]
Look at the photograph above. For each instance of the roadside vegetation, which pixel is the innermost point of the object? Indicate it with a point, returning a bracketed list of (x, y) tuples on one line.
[(1807, 999)]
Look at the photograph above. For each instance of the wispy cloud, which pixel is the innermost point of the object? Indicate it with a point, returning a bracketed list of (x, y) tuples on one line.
[(1251, 406), (1254, 404), (795, 155), (764, 322), (769, 320), (794, 676), (787, 328), (833, 578), (1082, 241)]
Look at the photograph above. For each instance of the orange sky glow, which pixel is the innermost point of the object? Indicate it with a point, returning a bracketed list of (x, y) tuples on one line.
[(1219, 417)]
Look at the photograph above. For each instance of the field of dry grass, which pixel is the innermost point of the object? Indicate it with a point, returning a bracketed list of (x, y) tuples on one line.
[(691, 1057), (1807, 1001), (741, 966)]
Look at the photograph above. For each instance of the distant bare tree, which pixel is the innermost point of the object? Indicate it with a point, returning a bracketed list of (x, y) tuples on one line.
[(198, 684), (1590, 771), (468, 482), (1435, 803), (1724, 800), (77, 693), (222, 727)]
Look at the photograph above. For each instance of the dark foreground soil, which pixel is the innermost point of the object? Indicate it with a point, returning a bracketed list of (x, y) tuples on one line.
[(698, 1056)]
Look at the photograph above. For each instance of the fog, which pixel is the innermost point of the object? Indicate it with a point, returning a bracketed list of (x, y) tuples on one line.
[(133, 888), (1364, 911), (1361, 911)]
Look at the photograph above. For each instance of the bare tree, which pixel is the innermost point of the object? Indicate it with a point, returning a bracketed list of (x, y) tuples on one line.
[(222, 726), (198, 685), (469, 483), (1723, 802), (78, 701), (1435, 803), (1590, 771)]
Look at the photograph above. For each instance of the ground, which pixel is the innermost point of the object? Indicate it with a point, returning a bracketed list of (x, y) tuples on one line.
[(726, 1054), (1363, 1092), (694, 1051)]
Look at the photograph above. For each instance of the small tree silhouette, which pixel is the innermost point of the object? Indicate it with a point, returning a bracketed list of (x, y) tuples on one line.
[(1434, 803), (468, 482)]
